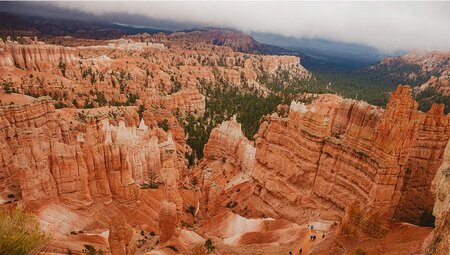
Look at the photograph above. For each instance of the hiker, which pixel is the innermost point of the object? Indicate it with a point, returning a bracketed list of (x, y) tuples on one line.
[(323, 236), (312, 227), (301, 251), (314, 237), (308, 225), (290, 253)]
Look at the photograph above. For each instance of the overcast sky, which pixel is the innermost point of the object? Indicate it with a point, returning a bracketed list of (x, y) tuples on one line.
[(387, 26)]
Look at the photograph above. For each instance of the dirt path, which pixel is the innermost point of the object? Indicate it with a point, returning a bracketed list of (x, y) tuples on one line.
[(307, 243)]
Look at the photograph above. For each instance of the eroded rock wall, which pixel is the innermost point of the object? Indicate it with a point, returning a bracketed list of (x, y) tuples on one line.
[(183, 102), (334, 154), (439, 239), (67, 157), (326, 155), (36, 57), (228, 141)]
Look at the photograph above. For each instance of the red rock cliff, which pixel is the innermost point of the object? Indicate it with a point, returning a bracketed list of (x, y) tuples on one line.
[(75, 157), (333, 152), (35, 56)]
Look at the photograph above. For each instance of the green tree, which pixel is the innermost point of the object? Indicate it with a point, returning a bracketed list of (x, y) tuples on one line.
[(164, 125), (141, 111)]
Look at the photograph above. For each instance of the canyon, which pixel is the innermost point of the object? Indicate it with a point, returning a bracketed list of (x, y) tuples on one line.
[(92, 142)]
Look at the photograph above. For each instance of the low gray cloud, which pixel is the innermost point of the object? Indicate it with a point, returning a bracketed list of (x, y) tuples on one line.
[(387, 26)]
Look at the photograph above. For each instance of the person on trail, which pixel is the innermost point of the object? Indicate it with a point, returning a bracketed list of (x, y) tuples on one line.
[(308, 226), (310, 237), (323, 235), (314, 237), (312, 227), (290, 253), (301, 251)]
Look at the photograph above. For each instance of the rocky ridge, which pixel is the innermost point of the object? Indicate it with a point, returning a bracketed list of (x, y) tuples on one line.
[(125, 71)]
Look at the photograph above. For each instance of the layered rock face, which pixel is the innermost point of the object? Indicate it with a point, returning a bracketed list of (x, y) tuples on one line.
[(439, 242), (24, 150), (75, 158), (333, 152), (228, 141), (229, 158), (35, 56), (186, 101), (441, 187), (355, 152), (422, 159)]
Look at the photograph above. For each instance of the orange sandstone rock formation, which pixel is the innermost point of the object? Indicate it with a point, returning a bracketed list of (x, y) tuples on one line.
[(228, 140), (34, 57), (76, 157), (121, 238), (128, 72), (326, 155), (168, 220), (439, 240)]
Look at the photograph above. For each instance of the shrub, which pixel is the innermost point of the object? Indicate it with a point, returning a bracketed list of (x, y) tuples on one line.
[(20, 233), (191, 210), (131, 99), (172, 247), (90, 250), (88, 104), (81, 116), (100, 98), (231, 204), (446, 172), (164, 125), (59, 105), (150, 185), (427, 219), (141, 111), (75, 103), (209, 245), (62, 67), (359, 251), (7, 87)]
